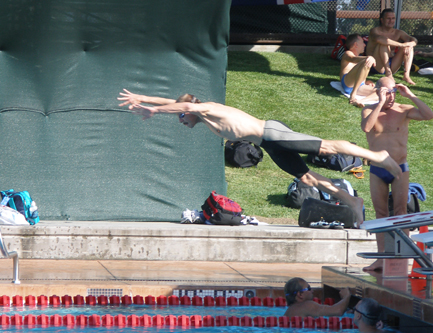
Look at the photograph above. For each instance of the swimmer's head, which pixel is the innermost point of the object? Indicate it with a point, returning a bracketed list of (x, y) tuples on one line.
[(369, 83), (188, 98), (295, 286), (387, 18), (188, 119)]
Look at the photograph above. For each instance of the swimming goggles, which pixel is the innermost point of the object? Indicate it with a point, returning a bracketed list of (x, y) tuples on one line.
[(393, 90), (300, 291), (366, 315), (181, 115)]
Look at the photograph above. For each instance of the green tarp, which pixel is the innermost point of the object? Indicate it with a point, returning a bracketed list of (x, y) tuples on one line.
[(63, 136)]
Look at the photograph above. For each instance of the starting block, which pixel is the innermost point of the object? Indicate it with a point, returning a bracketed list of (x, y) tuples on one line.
[(397, 244)]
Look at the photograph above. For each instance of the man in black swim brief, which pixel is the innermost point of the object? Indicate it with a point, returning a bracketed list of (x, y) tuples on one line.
[(386, 125)]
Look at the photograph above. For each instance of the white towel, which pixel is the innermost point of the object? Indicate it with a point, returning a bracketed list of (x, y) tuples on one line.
[(426, 71), (337, 85)]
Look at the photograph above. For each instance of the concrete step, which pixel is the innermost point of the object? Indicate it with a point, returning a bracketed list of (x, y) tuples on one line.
[(165, 241)]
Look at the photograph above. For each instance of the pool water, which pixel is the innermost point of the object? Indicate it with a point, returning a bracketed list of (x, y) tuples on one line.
[(151, 310)]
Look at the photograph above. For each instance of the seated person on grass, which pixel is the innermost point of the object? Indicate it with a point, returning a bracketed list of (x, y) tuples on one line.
[(354, 71), (299, 297)]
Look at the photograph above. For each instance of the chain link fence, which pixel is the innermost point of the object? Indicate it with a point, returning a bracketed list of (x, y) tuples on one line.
[(320, 22)]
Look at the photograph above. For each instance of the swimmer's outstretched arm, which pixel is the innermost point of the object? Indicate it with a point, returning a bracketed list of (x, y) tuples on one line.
[(135, 100), (175, 108)]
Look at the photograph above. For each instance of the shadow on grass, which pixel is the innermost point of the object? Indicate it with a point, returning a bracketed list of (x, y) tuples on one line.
[(277, 199), (314, 66)]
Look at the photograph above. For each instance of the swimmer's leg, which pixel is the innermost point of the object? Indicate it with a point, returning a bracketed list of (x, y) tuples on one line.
[(380, 158)]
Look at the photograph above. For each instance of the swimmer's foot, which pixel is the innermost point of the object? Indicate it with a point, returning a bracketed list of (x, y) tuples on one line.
[(376, 266), (356, 103), (408, 80), (357, 204), (385, 161)]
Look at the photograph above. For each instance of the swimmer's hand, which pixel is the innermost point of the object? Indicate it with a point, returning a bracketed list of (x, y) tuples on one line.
[(404, 91), (345, 293), (146, 111), (133, 99)]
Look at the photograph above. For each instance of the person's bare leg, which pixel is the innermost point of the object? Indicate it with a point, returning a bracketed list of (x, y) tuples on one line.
[(312, 178), (357, 75), (381, 158), (408, 58), (381, 54), (379, 192)]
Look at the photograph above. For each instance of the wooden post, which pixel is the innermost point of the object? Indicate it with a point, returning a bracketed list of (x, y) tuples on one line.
[(385, 4)]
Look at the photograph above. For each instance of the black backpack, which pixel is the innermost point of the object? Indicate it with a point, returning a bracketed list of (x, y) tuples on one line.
[(297, 192), (412, 205), (242, 154), (337, 162)]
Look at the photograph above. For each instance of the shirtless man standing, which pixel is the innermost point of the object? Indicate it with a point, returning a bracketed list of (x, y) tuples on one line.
[(299, 297), (354, 71), (382, 42), (386, 127), (281, 143)]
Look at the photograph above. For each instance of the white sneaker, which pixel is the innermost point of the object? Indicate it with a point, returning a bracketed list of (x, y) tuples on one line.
[(186, 216)]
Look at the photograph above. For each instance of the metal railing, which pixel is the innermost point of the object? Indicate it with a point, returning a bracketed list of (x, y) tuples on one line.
[(10, 255)]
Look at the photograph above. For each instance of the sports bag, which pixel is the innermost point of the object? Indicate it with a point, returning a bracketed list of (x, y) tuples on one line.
[(412, 205), (22, 202), (337, 162), (242, 154), (297, 192), (314, 210), (218, 209)]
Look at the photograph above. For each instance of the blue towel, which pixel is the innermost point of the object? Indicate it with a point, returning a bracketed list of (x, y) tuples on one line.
[(418, 190)]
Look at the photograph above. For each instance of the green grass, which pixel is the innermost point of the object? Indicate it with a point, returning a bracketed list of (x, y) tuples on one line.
[(295, 89)]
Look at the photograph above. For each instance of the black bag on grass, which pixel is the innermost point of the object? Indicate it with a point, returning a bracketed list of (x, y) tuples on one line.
[(314, 210), (297, 192), (338, 162), (242, 154), (412, 205)]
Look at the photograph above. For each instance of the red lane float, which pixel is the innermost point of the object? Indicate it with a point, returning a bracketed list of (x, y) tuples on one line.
[(17, 300), (173, 300), (42, 300), (208, 321), (183, 321), (120, 320), (66, 300), (126, 300), (232, 301), (284, 321), (246, 321), (30, 300), (196, 321), (233, 321), (114, 300), (78, 300), (43, 320), (280, 301), (259, 321), (271, 321), (150, 300), (220, 321), (68, 320), (185, 300), (5, 301), (321, 322), (161, 300), (197, 300), (54, 300), (309, 322), (334, 323), (208, 301)]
